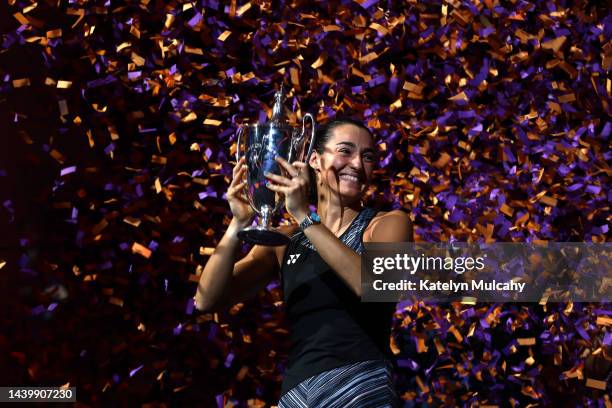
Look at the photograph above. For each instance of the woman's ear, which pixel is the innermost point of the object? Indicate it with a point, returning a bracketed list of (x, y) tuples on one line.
[(314, 160)]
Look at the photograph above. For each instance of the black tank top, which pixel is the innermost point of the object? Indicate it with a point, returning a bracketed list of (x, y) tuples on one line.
[(329, 325)]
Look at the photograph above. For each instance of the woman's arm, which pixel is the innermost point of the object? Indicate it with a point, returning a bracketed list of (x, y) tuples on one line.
[(217, 273), (223, 283), (394, 226)]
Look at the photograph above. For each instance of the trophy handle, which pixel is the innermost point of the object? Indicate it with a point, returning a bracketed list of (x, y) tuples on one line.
[(240, 133), (238, 140), (312, 134)]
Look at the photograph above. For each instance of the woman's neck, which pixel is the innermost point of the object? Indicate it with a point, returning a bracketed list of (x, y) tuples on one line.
[(335, 216)]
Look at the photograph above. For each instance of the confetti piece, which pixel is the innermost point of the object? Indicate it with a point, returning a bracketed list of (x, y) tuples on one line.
[(549, 201), (243, 9), (194, 50), (134, 371), (64, 84), (67, 170), (134, 222), (58, 156), (20, 83), (414, 88), (597, 384), (21, 18), (319, 62), (99, 227), (212, 122), (368, 58), (206, 251), (604, 321), (459, 97), (224, 35), (141, 250), (567, 98), (331, 27), (116, 301), (554, 44)]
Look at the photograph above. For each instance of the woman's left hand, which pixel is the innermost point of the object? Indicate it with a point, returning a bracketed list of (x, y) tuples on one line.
[(296, 188)]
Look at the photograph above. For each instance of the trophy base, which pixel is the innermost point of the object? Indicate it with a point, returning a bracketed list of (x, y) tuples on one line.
[(262, 236)]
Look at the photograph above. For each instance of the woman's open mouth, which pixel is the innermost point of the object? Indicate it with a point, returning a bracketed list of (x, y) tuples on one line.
[(349, 177)]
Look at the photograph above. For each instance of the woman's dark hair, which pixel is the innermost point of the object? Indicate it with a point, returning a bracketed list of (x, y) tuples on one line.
[(323, 134)]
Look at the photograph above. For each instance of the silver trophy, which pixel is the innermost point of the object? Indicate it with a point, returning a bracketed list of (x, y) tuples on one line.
[(263, 142)]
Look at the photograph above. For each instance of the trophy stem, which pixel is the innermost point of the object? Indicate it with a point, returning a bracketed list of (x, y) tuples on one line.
[(263, 234), (266, 217)]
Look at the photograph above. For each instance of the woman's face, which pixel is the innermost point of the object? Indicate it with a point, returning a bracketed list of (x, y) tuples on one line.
[(346, 164)]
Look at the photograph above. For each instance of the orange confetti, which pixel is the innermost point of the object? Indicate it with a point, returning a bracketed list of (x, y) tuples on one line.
[(99, 227), (329, 28), (409, 86), (554, 44), (190, 117), (54, 33), (206, 250), (21, 18), (20, 83), (381, 30), (224, 35), (141, 250), (134, 222), (193, 50), (597, 384), (527, 341), (212, 122), (604, 321), (243, 9), (116, 301), (459, 97), (567, 98), (90, 138), (506, 210), (320, 61), (367, 58), (549, 201)]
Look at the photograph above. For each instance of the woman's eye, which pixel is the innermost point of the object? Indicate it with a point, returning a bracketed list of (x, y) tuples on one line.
[(344, 151), (368, 157)]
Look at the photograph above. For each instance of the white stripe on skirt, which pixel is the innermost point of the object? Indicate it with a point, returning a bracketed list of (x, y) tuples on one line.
[(366, 384)]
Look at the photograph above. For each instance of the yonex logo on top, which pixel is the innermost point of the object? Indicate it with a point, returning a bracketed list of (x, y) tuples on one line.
[(292, 259)]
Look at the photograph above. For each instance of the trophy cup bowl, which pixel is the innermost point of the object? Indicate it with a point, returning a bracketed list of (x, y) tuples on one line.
[(262, 143)]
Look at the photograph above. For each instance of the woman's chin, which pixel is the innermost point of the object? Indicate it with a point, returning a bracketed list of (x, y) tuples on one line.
[(351, 193)]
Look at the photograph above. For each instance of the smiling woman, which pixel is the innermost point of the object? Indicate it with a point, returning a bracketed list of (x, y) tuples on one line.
[(340, 354)]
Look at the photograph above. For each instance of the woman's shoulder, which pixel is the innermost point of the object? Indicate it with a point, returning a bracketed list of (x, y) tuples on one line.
[(395, 215), (386, 220)]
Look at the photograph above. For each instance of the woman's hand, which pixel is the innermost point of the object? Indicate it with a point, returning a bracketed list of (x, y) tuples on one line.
[(239, 204), (295, 187)]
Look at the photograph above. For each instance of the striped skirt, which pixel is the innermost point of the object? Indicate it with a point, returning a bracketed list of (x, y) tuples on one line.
[(366, 384)]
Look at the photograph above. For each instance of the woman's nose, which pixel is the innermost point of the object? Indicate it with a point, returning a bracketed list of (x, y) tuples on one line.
[(356, 161)]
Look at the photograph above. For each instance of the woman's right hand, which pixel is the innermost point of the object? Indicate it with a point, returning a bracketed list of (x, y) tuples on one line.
[(239, 204)]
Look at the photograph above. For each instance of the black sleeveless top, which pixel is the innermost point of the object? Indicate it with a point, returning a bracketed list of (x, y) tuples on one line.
[(329, 325)]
